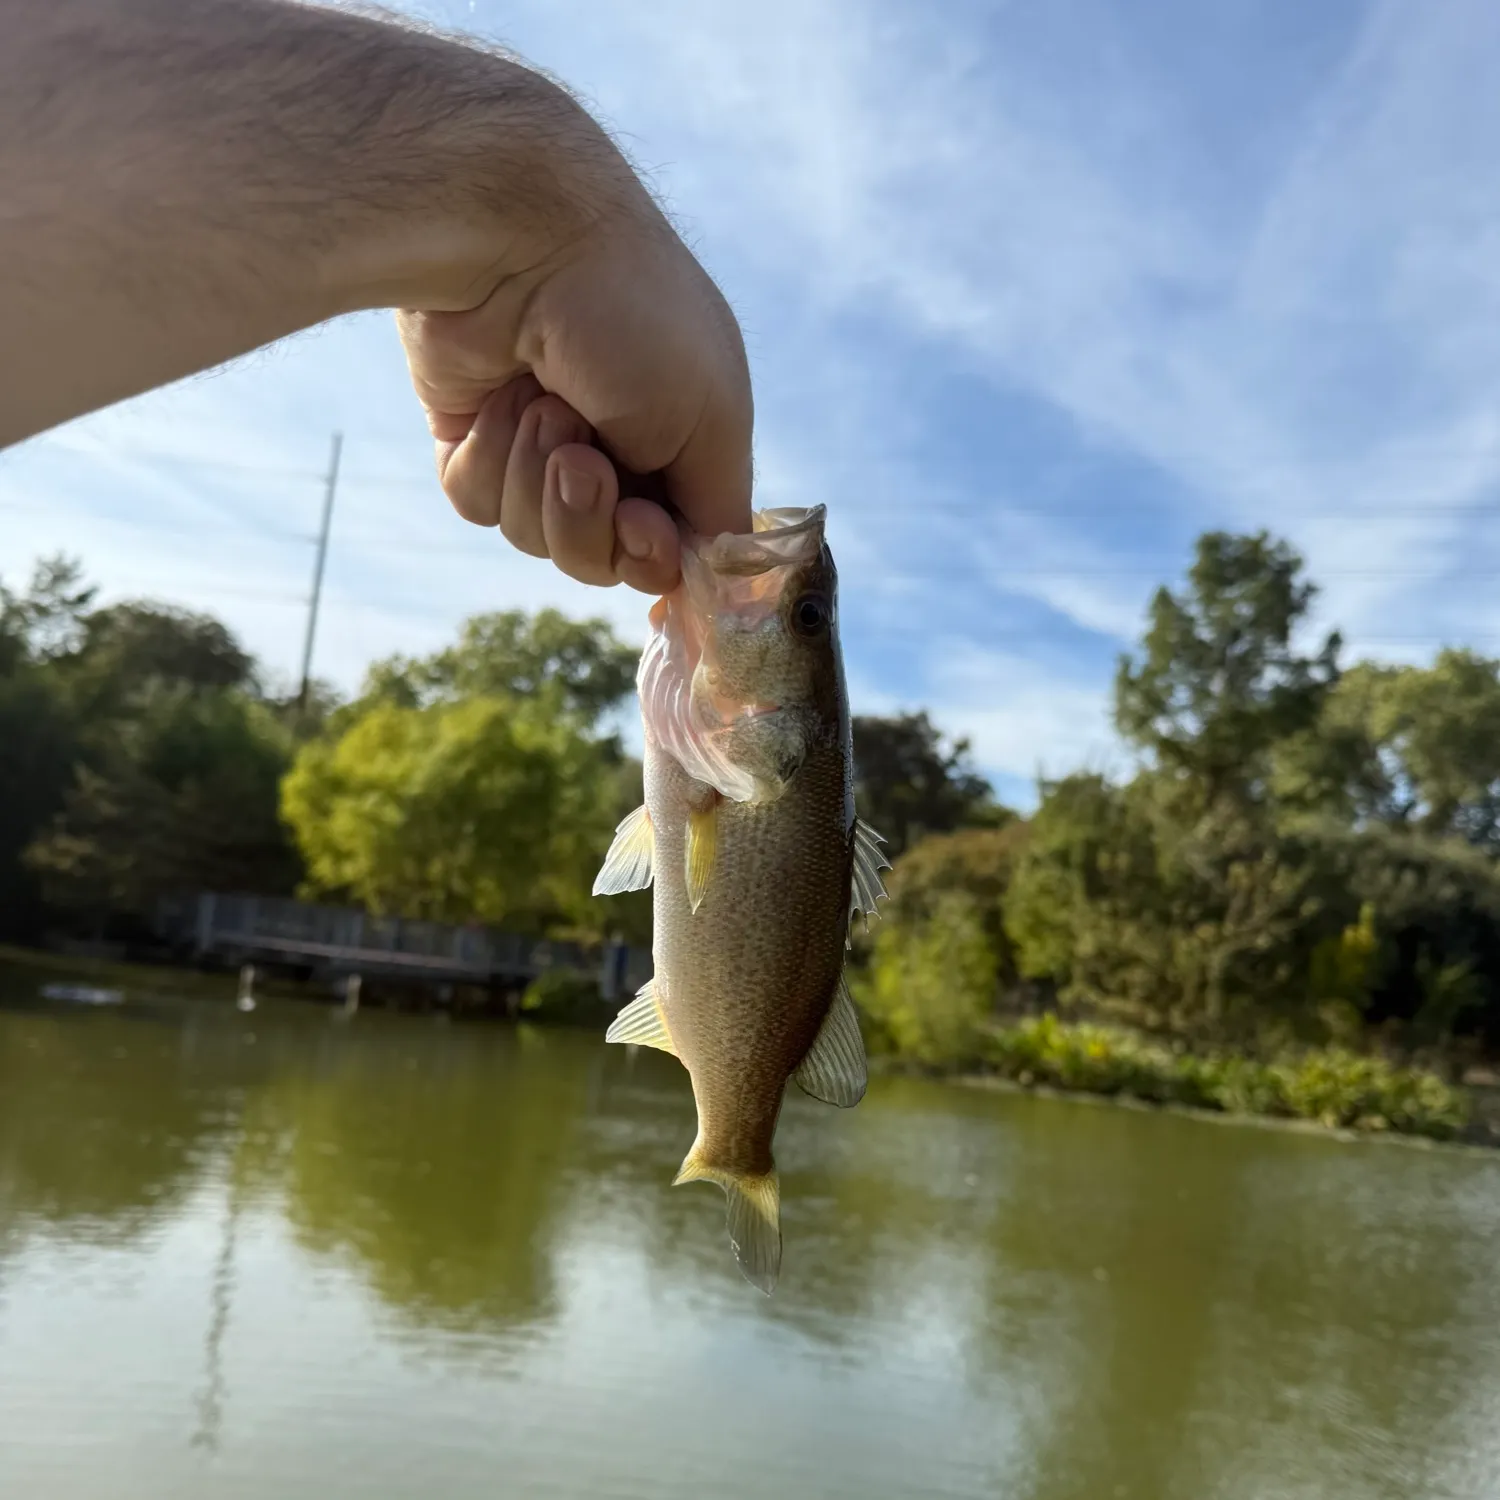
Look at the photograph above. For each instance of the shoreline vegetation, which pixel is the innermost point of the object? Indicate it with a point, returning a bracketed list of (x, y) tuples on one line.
[(1286, 907), (1332, 1091)]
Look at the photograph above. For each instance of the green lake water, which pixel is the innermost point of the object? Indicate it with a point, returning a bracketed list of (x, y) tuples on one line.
[(286, 1255)]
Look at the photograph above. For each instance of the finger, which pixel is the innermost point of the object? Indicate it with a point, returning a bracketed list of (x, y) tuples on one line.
[(578, 513), (647, 555), (471, 467), (548, 423)]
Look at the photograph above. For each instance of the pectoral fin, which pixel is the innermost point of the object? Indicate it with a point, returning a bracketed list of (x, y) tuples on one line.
[(866, 887), (627, 866), (641, 1023), (701, 848), (834, 1069)]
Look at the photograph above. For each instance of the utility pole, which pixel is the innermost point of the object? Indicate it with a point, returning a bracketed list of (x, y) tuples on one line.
[(330, 486)]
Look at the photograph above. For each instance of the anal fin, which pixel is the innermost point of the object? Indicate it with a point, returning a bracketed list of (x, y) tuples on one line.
[(627, 866), (641, 1023), (835, 1069), (753, 1211)]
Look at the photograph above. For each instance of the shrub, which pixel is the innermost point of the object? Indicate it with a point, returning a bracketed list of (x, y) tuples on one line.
[(561, 994), (1330, 1085), (931, 984)]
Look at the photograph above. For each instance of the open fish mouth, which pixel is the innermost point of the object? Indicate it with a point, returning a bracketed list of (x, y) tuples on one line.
[(740, 576), (783, 537), (734, 582)]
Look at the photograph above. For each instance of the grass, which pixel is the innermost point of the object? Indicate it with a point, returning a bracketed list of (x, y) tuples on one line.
[(1335, 1087)]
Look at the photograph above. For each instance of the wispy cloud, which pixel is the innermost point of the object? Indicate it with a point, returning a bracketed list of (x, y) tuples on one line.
[(1033, 294)]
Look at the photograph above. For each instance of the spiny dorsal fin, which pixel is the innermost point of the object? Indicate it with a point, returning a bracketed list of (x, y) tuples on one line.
[(866, 887), (627, 866), (641, 1023), (834, 1069), (700, 851), (753, 1209)]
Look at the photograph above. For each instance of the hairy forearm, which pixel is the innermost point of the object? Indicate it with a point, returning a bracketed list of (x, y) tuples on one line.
[(182, 181)]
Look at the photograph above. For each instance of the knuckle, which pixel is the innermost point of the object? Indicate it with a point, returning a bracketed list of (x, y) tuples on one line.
[(472, 500), (521, 527)]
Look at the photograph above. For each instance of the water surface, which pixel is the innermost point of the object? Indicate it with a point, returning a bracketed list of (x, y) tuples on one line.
[(291, 1255)]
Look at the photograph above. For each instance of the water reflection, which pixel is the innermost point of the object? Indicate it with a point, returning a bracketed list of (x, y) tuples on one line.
[(103, 1128), (210, 1403), (354, 1237), (438, 1168)]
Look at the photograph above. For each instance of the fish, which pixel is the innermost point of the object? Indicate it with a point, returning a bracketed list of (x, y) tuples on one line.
[(757, 861)]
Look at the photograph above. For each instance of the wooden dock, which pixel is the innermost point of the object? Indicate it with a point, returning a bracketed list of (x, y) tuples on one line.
[(339, 941)]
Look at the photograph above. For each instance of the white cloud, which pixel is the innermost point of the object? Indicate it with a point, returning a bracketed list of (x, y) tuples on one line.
[(1023, 721), (1314, 346), (1331, 347)]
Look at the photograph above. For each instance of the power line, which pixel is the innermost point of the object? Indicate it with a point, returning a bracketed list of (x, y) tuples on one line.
[(1103, 507), (916, 573)]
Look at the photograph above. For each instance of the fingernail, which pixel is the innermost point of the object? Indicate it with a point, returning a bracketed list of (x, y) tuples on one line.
[(580, 489), (638, 546)]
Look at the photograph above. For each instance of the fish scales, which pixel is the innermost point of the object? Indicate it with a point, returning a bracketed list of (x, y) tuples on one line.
[(746, 980)]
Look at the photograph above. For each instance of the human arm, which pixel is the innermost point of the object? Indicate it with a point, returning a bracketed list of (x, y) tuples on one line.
[(182, 181)]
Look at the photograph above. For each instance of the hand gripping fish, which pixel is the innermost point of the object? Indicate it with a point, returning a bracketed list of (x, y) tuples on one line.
[(749, 835)]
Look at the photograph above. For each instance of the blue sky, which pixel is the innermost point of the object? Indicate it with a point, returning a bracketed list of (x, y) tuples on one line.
[(1034, 292)]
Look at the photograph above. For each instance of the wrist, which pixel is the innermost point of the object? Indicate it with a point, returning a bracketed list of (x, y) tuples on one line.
[(485, 173)]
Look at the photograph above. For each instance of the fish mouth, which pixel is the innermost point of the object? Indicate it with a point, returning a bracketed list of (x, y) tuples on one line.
[(743, 573), (735, 581), (783, 536)]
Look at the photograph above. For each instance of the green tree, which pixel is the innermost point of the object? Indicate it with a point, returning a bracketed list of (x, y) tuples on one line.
[(1409, 747), (46, 621), (36, 753), (182, 795), (135, 757), (978, 863), (128, 651), (1435, 909), (932, 983), (908, 783), (1200, 925), (1219, 680), (579, 664), (491, 809), (37, 738)]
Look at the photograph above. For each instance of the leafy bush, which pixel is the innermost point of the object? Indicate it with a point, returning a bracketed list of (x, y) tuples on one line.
[(973, 862), (561, 994), (1333, 1086), (931, 984), (1340, 1088)]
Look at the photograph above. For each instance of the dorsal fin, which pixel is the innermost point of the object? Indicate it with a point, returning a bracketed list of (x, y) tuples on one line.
[(866, 886)]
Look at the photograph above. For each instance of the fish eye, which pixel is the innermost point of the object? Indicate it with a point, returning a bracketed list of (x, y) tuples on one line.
[(809, 614)]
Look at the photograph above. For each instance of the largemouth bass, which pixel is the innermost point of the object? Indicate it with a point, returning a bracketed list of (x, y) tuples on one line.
[(749, 837)]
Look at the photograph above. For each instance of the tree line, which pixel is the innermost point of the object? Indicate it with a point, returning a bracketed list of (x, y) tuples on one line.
[(1305, 854), (142, 755), (1305, 851)]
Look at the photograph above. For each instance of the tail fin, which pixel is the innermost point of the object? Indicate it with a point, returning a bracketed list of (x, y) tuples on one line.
[(754, 1212)]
